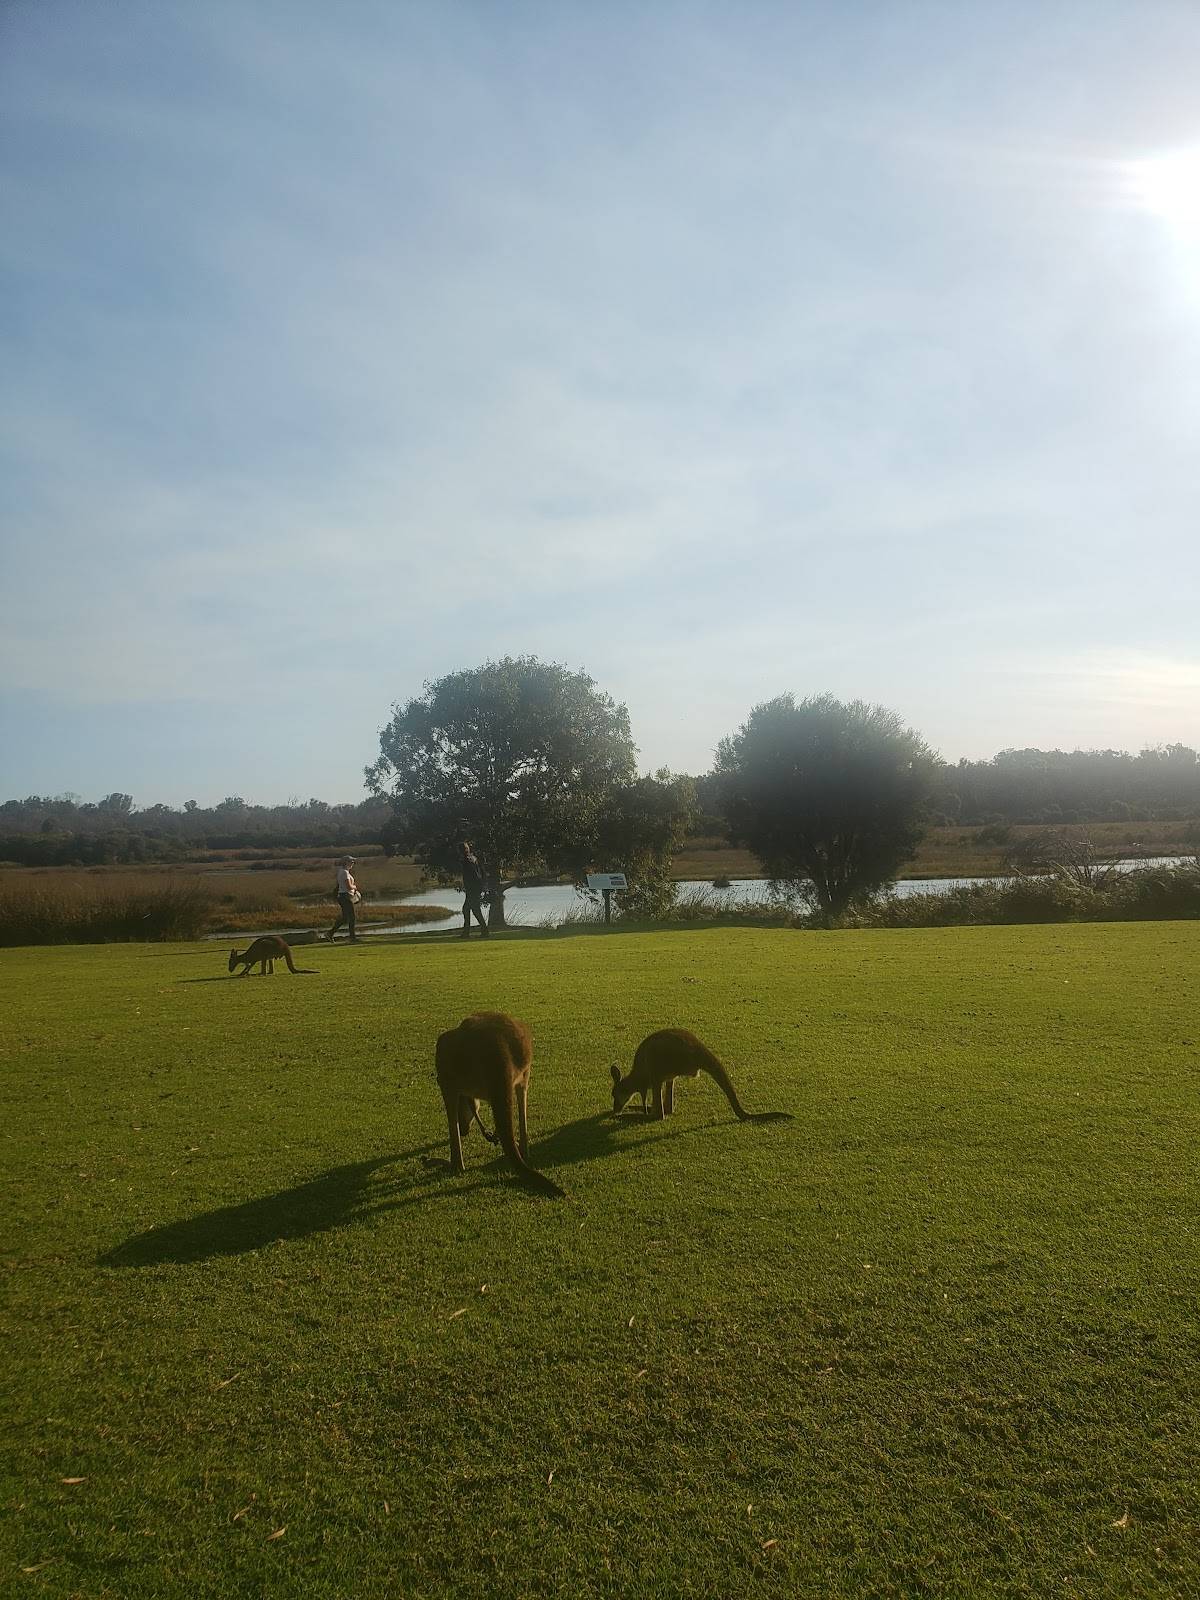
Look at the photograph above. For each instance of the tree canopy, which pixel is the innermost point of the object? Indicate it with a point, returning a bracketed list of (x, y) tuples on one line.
[(827, 795), (519, 756), (637, 830)]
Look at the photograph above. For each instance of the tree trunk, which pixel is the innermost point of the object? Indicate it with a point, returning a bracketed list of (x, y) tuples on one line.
[(495, 889)]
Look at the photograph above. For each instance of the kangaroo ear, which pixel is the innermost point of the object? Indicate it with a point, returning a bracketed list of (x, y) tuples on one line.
[(616, 1072)]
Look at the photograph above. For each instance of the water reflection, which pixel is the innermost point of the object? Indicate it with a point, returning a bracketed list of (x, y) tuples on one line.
[(551, 904)]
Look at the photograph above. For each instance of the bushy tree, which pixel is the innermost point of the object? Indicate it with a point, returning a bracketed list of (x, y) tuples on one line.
[(827, 795), (637, 831), (519, 756)]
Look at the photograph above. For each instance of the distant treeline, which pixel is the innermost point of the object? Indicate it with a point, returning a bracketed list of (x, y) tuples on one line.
[(61, 830), (1017, 786), (1050, 787), (1063, 786)]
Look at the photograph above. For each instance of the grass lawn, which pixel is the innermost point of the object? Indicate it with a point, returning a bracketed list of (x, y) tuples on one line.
[(936, 1336)]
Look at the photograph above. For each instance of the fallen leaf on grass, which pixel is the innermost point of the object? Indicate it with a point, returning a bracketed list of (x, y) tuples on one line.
[(1122, 1522), (640, 1374), (387, 1510), (749, 1509), (72, 1480), (225, 1382), (38, 1567), (278, 1534), (770, 1544), (629, 1324), (460, 1312), (237, 1515), (550, 1479)]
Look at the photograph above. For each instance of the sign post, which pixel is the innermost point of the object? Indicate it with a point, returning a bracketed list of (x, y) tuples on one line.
[(606, 882)]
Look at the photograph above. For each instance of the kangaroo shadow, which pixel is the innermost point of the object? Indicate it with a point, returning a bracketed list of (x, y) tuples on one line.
[(602, 1134), (335, 1199), (232, 977)]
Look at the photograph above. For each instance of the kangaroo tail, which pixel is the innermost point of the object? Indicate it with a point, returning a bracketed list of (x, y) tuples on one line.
[(502, 1106), (718, 1074), (287, 956)]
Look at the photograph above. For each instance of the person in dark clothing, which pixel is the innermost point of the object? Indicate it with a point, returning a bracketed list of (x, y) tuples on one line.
[(472, 882)]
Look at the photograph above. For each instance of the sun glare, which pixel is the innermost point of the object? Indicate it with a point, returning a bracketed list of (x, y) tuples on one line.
[(1169, 186)]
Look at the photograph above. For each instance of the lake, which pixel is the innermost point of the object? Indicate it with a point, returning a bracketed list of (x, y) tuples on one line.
[(555, 903)]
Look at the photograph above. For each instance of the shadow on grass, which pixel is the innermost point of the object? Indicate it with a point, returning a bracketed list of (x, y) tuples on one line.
[(602, 1134), (588, 930), (232, 977), (337, 1198), (363, 1189)]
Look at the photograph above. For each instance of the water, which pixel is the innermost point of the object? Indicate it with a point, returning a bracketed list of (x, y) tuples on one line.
[(555, 903)]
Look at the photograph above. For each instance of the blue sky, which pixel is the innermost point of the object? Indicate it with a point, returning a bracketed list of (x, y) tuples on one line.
[(719, 350)]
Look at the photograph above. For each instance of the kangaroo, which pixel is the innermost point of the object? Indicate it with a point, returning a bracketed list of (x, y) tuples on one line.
[(266, 951), (488, 1057), (675, 1053)]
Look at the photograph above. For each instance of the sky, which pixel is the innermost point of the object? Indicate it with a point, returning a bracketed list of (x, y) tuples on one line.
[(717, 350)]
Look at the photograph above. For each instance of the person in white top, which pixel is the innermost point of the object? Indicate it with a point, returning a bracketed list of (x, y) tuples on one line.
[(347, 896)]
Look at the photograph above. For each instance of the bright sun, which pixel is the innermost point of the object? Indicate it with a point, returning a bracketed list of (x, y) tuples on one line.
[(1169, 186)]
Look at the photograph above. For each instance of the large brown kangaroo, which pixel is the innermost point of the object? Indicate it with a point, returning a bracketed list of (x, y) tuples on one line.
[(266, 951), (675, 1053), (488, 1057)]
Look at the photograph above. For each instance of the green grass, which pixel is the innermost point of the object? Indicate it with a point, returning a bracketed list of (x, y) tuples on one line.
[(937, 1336)]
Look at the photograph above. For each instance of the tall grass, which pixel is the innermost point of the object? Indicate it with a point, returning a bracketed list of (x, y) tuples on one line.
[(1145, 894), (82, 911), (52, 907)]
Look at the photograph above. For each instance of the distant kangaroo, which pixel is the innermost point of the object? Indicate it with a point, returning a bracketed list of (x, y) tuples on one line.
[(266, 951), (675, 1053), (488, 1057)]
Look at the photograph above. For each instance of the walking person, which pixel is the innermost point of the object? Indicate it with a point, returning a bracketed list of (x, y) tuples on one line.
[(347, 898), (472, 882)]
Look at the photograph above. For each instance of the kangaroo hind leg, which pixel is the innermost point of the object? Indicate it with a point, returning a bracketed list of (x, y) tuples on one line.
[(454, 1105), (521, 1095)]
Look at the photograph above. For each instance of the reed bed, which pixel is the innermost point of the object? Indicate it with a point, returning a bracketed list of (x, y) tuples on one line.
[(55, 907), (1142, 895), (78, 911)]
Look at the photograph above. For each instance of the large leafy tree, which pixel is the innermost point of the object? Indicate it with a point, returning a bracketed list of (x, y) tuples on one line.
[(637, 830), (519, 756), (828, 796)]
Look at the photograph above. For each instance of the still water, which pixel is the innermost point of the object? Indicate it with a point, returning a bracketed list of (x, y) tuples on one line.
[(555, 903)]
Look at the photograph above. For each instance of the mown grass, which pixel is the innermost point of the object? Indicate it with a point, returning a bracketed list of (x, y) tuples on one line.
[(936, 1336)]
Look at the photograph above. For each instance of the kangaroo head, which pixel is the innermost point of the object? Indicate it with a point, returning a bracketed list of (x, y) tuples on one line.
[(621, 1091), (233, 959)]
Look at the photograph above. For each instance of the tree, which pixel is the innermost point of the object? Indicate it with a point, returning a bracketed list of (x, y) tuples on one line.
[(519, 756), (827, 795), (637, 831)]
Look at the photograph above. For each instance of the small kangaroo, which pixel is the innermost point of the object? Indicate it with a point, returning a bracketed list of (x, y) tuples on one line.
[(266, 951), (675, 1053), (488, 1057)]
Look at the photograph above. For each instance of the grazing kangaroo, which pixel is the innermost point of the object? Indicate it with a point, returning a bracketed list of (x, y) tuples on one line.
[(266, 951), (488, 1057), (675, 1053)]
